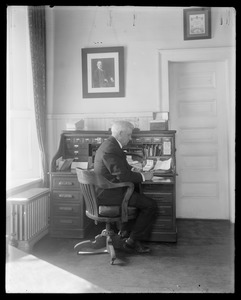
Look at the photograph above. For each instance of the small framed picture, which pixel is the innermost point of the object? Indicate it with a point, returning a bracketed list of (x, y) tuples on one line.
[(197, 23), (103, 72)]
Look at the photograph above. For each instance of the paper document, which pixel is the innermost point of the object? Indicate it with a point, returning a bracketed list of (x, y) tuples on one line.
[(149, 165), (79, 164), (163, 164), (133, 162)]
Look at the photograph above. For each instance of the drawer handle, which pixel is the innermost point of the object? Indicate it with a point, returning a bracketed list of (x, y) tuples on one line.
[(65, 183), (65, 208), (65, 196), (76, 152), (76, 146)]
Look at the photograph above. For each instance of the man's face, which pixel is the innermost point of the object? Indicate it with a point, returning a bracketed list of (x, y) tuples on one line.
[(125, 137), (99, 64)]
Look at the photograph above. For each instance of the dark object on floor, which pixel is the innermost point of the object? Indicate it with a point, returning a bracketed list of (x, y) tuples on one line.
[(135, 246)]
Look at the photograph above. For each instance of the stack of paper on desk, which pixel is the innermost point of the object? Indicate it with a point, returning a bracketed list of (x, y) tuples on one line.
[(163, 165), (161, 179)]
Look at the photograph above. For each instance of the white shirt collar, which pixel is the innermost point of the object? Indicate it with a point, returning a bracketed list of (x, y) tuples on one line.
[(118, 143)]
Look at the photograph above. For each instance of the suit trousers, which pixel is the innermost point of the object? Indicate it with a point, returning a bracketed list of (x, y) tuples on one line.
[(140, 227)]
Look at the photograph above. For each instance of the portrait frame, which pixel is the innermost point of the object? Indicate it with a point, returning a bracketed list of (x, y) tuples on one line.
[(197, 23), (112, 60)]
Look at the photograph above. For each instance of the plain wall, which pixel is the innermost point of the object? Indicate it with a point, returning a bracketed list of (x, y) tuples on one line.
[(141, 30)]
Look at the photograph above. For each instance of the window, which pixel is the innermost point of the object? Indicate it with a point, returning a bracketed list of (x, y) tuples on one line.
[(23, 155)]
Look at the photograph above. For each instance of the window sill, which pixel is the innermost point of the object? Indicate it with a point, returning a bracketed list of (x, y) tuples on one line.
[(19, 186)]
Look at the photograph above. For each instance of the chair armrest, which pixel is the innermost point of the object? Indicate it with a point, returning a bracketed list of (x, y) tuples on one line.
[(89, 177), (106, 184)]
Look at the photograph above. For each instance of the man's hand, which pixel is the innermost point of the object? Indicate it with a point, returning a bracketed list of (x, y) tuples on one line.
[(135, 169), (148, 175)]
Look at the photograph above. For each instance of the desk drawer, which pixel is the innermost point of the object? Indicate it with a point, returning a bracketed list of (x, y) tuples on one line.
[(66, 222), (66, 183), (66, 196), (162, 223), (157, 188), (66, 209), (77, 151), (160, 197), (164, 210)]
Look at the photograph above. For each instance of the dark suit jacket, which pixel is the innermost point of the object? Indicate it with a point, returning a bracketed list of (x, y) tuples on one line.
[(99, 78), (110, 161)]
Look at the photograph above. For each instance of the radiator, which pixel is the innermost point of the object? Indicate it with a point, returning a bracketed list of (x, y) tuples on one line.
[(29, 217)]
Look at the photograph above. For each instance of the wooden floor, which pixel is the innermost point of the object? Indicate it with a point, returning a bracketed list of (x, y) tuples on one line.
[(202, 261)]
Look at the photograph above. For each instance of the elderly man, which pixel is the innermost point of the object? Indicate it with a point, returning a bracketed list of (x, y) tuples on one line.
[(110, 161)]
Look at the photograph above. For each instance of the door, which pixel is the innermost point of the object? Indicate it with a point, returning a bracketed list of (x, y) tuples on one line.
[(197, 111)]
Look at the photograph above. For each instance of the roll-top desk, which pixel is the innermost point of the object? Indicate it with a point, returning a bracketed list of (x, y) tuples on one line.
[(67, 209)]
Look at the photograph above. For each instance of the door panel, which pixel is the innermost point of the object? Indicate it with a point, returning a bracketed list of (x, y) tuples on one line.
[(197, 112)]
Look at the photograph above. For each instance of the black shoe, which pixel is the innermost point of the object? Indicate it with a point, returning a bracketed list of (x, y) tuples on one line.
[(128, 248), (124, 234), (137, 247)]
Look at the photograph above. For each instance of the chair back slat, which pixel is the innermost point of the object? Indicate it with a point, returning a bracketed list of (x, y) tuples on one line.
[(89, 198), (91, 194), (88, 182)]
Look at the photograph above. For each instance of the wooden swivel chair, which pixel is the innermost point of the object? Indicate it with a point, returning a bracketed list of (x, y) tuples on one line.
[(103, 213)]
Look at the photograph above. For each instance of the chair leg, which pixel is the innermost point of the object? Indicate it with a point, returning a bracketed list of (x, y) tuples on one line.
[(103, 243), (110, 249), (98, 245), (109, 243), (89, 247)]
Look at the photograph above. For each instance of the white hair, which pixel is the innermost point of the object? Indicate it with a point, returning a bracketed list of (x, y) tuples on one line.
[(119, 126)]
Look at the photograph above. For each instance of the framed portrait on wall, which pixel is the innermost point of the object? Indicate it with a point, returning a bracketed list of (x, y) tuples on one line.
[(103, 72), (197, 23)]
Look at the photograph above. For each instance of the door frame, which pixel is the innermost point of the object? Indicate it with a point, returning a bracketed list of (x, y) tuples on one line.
[(226, 55)]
